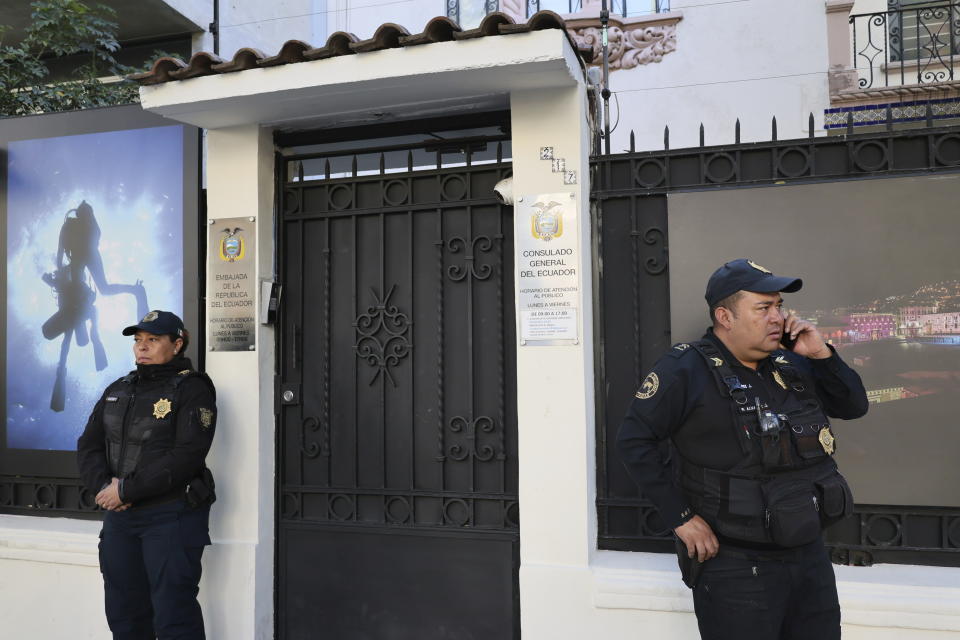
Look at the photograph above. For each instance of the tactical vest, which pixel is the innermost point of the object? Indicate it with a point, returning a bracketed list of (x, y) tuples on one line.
[(786, 486), (135, 413)]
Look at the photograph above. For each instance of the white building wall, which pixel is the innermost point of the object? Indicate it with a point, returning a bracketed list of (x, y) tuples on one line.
[(750, 59)]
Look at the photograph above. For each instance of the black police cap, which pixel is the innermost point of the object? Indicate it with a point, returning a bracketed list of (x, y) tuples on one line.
[(746, 275), (159, 323)]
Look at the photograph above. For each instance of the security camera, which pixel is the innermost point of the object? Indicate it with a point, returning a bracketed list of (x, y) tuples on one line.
[(504, 191), (594, 77)]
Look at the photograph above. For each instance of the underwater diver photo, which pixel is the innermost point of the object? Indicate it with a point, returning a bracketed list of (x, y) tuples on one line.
[(94, 238)]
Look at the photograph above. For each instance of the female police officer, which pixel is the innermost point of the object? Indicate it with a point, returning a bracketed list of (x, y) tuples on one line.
[(142, 454)]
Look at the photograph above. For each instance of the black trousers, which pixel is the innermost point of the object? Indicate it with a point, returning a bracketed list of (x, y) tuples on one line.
[(791, 595), (150, 560)]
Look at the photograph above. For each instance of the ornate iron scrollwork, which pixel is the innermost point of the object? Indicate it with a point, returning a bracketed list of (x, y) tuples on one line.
[(654, 236), (382, 336), (314, 449), (473, 448), (478, 245)]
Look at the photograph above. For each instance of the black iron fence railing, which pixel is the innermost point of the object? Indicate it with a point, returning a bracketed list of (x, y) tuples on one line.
[(630, 193), (912, 44)]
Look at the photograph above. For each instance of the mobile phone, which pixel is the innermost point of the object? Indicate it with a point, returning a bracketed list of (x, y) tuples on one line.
[(788, 342)]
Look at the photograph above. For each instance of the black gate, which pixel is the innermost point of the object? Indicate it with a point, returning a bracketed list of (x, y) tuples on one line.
[(397, 440), (633, 307)]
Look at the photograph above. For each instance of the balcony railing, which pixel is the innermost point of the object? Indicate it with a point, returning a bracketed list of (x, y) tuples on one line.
[(625, 8), (914, 44)]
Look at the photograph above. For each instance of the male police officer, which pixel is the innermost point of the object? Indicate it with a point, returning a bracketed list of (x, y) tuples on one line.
[(752, 479)]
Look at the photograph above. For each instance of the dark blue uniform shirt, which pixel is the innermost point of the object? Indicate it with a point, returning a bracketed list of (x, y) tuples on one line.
[(680, 400)]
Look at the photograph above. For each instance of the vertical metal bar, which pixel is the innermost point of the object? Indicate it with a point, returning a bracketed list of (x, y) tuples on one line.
[(470, 356), (901, 52), (383, 378), (413, 372), (635, 264), (702, 136), (326, 348), (633, 143), (326, 169), (886, 49), (501, 358), (666, 138), (605, 92), (853, 25), (356, 367), (951, 23), (736, 132), (773, 129), (441, 454), (296, 334), (919, 65), (810, 125)]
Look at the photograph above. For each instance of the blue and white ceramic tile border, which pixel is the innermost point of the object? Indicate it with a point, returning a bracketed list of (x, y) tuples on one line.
[(872, 114)]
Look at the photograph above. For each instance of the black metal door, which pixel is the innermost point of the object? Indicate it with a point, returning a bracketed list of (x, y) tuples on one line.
[(398, 511)]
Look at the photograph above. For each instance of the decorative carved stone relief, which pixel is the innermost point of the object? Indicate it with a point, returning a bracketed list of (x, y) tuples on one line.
[(630, 46)]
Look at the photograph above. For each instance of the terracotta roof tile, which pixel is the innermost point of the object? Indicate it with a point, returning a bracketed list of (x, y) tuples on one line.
[(160, 72), (387, 36), (338, 44), (243, 59), (201, 64), (291, 52), (540, 20), (439, 29), (489, 26)]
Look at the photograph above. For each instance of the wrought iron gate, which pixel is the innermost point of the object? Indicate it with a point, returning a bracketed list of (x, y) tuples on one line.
[(398, 513)]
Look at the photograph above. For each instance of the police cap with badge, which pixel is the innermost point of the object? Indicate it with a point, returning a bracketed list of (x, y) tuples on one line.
[(159, 323), (746, 275)]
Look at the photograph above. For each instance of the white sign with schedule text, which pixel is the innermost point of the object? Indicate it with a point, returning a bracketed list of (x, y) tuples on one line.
[(548, 263)]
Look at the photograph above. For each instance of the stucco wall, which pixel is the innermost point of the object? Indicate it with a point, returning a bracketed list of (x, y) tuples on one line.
[(752, 60)]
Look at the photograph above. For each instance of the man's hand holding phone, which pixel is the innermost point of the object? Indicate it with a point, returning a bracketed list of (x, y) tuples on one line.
[(802, 338)]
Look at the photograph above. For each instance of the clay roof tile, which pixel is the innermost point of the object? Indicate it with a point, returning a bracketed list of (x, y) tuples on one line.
[(439, 29), (338, 44), (243, 59), (387, 37), (292, 51), (201, 64), (159, 72), (489, 26)]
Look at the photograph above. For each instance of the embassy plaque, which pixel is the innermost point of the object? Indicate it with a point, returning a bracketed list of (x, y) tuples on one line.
[(231, 285), (548, 259)]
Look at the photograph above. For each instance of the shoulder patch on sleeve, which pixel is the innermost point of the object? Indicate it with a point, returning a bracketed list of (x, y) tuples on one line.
[(680, 349), (649, 387), (206, 417)]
